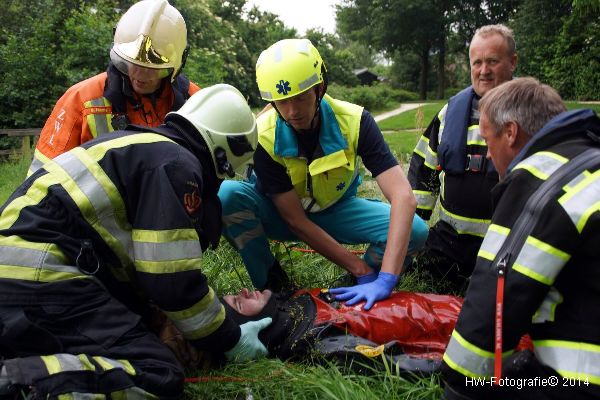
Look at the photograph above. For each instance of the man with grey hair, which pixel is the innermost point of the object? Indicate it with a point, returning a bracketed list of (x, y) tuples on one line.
[(449, 162), (540, 253)]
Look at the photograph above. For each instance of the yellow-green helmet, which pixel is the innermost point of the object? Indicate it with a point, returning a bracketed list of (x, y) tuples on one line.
[(287, 68)]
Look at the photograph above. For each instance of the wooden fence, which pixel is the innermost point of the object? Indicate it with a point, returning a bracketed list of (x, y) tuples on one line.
[(28, 136)]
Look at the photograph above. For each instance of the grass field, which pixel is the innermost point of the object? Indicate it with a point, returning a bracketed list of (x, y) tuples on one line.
[(314, 379), (274, 379)]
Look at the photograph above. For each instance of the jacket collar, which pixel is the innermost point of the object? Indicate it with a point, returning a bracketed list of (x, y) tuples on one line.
[(562, 126), (331, 139)]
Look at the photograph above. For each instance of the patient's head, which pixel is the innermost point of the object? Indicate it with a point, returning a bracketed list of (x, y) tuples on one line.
[(248, 303)]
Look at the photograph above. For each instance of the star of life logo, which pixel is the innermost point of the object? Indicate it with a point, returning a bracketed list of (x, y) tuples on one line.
[(283, 87)]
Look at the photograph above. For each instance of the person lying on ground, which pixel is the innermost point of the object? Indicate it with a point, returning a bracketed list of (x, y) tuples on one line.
[(409, 329)]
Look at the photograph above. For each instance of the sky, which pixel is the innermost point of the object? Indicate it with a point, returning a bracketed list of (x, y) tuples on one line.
[(301, 14)]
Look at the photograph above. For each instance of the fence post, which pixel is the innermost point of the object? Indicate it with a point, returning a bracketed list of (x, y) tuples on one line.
[(26, 147)]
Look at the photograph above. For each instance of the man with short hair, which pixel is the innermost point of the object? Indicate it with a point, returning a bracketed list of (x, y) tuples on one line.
[(449, 162), (537, 271), (307, 168)]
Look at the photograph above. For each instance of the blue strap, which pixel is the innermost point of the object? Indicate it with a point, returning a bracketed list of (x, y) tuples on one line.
[(568, 123), (330, 135), (452, 151)]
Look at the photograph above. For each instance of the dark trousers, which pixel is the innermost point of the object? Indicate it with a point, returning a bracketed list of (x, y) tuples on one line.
[(449, 275), (73, 337)]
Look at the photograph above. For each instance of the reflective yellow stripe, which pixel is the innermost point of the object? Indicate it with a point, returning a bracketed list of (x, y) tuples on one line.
[(38, 275), (570, 359), (542, 164), (582, 200), (96, 197), (98, 151), (442, 117), (493, 241), (36, 193), (425, 200), (166, 251), (167, 267), (99, 123), (540, 261), (108, 364), (429, 156), (38, 161), (52, 364), (474, 137), (468, 359), (41, 262), (464, 225), (163, 236), (64, 362), (201, 319), (547, 309)]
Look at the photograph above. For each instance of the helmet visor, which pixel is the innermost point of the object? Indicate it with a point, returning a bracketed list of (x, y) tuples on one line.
[(126, 66), (239, 145)]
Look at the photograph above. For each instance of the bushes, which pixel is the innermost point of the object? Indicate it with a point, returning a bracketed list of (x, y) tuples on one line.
[(376, 97)]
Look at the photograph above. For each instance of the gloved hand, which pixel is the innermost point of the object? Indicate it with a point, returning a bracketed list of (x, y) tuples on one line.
[(379, 289), (370, 277), (249, 346)]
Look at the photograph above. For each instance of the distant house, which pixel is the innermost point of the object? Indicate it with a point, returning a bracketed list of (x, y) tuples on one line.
[(367, 77)]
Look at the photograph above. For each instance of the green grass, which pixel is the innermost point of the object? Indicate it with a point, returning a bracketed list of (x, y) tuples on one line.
[(574, 104), (418, 118), (11, 175), (313, 379), (274, 379)]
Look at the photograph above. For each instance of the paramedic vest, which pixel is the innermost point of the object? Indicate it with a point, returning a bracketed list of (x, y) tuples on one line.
[(332, 173)]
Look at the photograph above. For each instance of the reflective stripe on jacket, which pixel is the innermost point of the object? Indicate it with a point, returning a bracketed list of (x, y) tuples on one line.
[(329, 176), (83, 113), (114, 210), (549, 240)]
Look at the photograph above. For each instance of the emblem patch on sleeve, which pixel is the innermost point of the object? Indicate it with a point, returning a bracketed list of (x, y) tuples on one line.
[(192, 201)]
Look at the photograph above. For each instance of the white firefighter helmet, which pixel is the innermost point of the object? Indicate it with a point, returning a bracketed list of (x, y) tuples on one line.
[(151, 34), (225, 121)]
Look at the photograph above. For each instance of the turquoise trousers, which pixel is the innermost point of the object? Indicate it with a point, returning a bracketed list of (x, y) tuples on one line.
[(250, 219)]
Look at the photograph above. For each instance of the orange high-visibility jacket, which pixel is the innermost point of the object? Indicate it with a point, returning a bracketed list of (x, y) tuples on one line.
[(83, 113)]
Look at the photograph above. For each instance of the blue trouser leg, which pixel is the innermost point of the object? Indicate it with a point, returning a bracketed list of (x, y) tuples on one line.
[(356, 220), (249, 219)]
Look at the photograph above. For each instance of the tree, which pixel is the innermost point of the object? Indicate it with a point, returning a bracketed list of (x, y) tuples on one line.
[(558, 43), (53, 45)]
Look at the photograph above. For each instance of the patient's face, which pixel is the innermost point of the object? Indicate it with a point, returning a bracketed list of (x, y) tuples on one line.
[(248, 303)]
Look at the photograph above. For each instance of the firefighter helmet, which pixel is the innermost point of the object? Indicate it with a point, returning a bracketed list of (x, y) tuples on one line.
[(151, 34), (223, 118), (287, 68)]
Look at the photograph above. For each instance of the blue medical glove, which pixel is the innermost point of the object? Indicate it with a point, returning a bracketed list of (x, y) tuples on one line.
[(249, 346), (371, 292), (361, 280)]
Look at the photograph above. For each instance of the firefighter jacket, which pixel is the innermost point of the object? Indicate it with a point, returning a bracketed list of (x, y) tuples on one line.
[(545, 231), (449, 161), (131, 210), (101, 104), (332, 173)]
